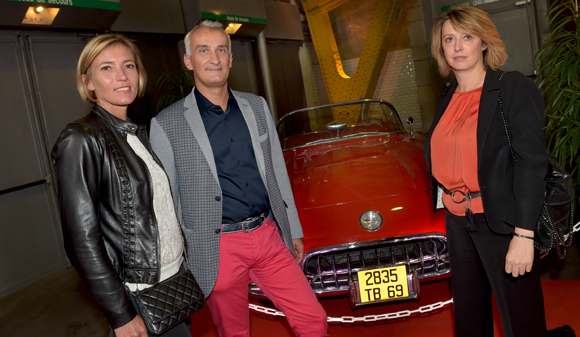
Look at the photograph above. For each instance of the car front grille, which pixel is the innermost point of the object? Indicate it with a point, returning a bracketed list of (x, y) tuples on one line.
[(329, 269)]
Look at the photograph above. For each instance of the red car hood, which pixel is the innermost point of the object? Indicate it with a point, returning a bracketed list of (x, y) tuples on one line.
[(357, 170)]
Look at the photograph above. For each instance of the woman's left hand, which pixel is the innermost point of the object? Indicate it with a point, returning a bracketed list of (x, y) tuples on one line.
[(520, 255)]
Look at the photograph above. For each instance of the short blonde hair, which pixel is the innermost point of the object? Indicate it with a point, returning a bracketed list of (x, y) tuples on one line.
[(90, 53), (468, 20)]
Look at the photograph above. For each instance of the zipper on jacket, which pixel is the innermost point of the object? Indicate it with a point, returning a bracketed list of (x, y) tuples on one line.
[(184, 238)]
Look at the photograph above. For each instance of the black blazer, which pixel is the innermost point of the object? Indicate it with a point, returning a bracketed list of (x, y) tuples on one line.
[(512, 194)]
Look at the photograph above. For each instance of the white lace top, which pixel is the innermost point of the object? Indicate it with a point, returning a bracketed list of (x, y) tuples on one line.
[(170, 238)]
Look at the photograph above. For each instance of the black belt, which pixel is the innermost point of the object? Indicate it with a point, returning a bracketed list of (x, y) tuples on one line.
[(467, 196), (247, 225)]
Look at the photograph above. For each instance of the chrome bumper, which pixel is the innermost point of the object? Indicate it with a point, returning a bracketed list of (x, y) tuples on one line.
[(332, 269)]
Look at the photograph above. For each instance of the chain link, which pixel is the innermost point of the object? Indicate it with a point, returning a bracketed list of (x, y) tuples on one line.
[(367, 318), (576, 227)]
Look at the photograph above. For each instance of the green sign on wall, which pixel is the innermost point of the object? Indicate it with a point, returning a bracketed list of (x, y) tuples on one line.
[(467, 3), (100, 4), (234, 18)]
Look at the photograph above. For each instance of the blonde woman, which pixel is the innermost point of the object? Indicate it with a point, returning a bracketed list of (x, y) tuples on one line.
[(493, 204), (118, 218)]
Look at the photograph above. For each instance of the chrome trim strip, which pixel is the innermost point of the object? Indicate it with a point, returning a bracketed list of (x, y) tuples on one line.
[(373, 243), (348, 137), (331, 105)]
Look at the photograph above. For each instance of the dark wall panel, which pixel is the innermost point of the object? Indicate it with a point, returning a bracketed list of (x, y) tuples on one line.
[(30, 241), (20, 162), (54, 59)]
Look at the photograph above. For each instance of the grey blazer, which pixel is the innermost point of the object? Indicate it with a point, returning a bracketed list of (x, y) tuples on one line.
[(179, 139)]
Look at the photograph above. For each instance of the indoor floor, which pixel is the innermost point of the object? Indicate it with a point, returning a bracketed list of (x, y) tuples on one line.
[(60, 306)]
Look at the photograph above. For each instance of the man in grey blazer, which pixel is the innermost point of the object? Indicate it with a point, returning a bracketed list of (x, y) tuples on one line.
[(223, 158)]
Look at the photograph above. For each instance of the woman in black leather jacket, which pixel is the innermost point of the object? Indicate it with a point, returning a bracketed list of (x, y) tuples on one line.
[(119, 221)]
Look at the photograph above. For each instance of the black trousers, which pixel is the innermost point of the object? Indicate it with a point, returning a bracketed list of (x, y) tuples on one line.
[(478, 269)]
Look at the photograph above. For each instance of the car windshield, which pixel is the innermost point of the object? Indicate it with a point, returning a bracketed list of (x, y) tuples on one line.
[(337, 122)]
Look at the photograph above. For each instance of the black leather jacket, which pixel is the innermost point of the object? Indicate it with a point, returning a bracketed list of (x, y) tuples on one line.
[(106, 205)]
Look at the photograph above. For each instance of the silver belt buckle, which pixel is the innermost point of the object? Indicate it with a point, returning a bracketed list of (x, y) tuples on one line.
[(244, 229)]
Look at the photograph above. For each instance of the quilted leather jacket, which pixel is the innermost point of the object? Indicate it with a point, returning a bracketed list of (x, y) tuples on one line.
[(106, 204)]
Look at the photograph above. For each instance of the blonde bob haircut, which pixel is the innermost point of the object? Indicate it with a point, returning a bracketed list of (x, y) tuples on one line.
[(90, 53), (468, 20)]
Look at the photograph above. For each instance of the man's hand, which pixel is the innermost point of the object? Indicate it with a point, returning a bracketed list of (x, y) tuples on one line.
[(520, 255), (298, 249), (135, 328)]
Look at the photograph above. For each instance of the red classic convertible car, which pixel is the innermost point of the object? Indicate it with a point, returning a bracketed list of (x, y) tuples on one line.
[(363, 196)]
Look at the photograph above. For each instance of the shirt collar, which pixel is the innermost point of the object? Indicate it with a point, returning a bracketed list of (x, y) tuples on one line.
[(203, 103)]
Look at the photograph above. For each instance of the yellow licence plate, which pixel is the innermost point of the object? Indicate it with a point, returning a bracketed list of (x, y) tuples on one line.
[(383, 284)]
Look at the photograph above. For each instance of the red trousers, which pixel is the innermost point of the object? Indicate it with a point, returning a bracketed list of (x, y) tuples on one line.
[(262, 256)]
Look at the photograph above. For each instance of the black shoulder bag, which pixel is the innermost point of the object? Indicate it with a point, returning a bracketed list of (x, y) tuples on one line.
[(168, 303), (554, 228)]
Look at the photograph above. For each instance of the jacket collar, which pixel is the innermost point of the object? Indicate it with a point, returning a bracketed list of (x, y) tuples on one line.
[(122, 126), (487, 108), (193, 117)]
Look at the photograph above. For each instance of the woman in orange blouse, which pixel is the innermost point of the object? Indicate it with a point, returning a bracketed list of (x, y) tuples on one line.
[(493, 204)]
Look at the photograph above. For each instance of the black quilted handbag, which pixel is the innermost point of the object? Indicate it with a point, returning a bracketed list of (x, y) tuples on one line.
[(556, 222), (168, 303)]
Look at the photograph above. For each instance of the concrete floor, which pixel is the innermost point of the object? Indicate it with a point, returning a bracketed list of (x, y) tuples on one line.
[(60, 305)]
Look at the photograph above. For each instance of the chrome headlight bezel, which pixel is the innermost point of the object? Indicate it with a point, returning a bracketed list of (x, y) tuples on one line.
[(371, 220)]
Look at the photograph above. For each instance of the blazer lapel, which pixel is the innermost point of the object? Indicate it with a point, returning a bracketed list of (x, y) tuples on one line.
[(193, 118), (250, 119), (487, 108)]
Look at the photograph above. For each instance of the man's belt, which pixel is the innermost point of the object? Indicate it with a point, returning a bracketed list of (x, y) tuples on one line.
[(247, 225)]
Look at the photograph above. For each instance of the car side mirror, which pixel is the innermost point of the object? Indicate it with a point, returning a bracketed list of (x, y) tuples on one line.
[(410, 122), (336, 127)]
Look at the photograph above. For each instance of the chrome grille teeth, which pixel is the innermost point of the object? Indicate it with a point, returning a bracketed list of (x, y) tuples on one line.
[(335, 266)]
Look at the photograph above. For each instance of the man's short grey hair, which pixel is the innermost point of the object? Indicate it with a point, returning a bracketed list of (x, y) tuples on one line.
[(210, 24)]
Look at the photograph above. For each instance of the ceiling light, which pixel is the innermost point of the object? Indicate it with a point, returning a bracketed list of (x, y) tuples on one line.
[(39, 15), (232, 28)]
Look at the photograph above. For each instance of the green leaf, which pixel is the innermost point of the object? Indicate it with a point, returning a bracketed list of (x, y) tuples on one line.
[(174, 87), (558, 64)]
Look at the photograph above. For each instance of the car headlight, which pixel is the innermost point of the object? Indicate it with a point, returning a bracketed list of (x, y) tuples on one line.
[(371, 220)]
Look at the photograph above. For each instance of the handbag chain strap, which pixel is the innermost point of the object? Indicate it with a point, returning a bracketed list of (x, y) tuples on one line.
[(509, 137)]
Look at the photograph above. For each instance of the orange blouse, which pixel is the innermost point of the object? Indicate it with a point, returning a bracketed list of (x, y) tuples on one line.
[(454, 150)]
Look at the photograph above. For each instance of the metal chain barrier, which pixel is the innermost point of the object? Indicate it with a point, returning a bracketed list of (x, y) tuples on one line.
[(367, 318)]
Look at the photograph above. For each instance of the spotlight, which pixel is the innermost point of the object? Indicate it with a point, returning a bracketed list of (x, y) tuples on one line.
[(39, 9), (232, 28)]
